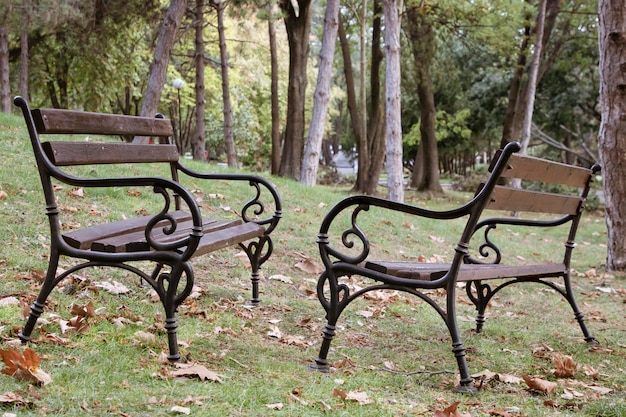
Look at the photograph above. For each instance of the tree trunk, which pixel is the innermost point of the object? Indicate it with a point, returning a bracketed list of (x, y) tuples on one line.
[(611, 143), (298, 26), (5, 85), (229, 141), (23, 87), (310, 161), (531, 85), (198, 146), (353, 110), (423, 45), (158, 68), (375, 126), (393, 130), (276, 140)]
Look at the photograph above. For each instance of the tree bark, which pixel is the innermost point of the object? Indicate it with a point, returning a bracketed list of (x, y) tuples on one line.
[(310, 161), (393, 130), (24, 71), (276, 139), (158, 68), (5, 85), (198, 145), (298, 26), (426, 166), (229, 141), (611, 143)]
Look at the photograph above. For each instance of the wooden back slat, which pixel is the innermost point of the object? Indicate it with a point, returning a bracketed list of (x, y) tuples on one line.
[(87, 153), (514, 199), (535, 169), (74, 122)]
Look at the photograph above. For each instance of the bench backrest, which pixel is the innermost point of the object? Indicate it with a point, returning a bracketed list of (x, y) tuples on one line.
[(87, 148), (555, 191), (565, 177)]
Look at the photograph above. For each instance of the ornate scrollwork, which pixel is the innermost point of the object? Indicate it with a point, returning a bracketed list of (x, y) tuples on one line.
[(488, 249), (166, 223), (349, 238)]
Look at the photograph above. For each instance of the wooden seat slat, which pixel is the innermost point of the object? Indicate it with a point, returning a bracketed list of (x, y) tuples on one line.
[(84, 238), (468, 272)]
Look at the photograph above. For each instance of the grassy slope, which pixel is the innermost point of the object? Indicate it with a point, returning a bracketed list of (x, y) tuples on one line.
[(108, 371)]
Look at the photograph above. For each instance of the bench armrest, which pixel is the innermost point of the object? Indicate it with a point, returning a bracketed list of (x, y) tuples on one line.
[(356, 205), (162, 222), (256, 209)]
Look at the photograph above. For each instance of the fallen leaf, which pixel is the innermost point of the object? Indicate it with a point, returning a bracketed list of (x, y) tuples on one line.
[(565, 365), (196, 370), (541, 385), (360, 397), (13, 399), (281, 278), (83, 311), (24, 366), (113, 287), (451, 411), (309, 266), (3, 195), (77, 192), (180, 410), (276, 406)]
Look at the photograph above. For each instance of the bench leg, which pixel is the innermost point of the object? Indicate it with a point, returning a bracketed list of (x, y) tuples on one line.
[(258, 252), (578, 314), (321, 362), (37, 307)]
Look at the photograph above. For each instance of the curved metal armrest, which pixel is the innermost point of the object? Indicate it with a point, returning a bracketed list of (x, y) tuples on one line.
[(162, 221), (357, 204), (254, 210)]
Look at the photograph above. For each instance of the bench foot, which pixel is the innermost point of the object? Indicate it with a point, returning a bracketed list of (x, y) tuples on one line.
[(320, 365), (465, 389)]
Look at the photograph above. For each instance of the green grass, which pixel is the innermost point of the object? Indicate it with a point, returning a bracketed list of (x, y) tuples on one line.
[(106, 371)]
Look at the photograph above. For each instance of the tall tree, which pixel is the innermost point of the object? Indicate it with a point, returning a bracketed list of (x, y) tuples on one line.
[(297, 17), (313, 146), (158, 68), (275, 122), (198, 139), (393, 131), (612, 145), (5, 84), (229, 141), (25, 25), (425, 176)]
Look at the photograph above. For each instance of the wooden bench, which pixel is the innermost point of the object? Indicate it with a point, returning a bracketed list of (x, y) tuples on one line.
[(169, 237), (475, 259)]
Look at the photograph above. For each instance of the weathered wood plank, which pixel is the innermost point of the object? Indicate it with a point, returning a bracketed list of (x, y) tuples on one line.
[(75, 122), (536, 169), (513, 199), (87, 153)]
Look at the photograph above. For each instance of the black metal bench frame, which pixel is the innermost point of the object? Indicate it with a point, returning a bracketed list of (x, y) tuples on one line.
[(347, 252), (169, 238)]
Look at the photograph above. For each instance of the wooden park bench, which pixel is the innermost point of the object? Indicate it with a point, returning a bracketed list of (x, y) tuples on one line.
[(169, 236), (345, 247)]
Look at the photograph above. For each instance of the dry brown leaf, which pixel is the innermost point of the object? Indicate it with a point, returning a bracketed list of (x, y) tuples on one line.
[(3, 195), (541, 385), (309, 267), (83, 311), (14, 399), (451, 411), (196, 370), (360, 397), (77, 192), (24, 366), (565, 365)]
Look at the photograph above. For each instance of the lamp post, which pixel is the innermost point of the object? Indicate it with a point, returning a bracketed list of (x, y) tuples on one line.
[(178, 84)]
